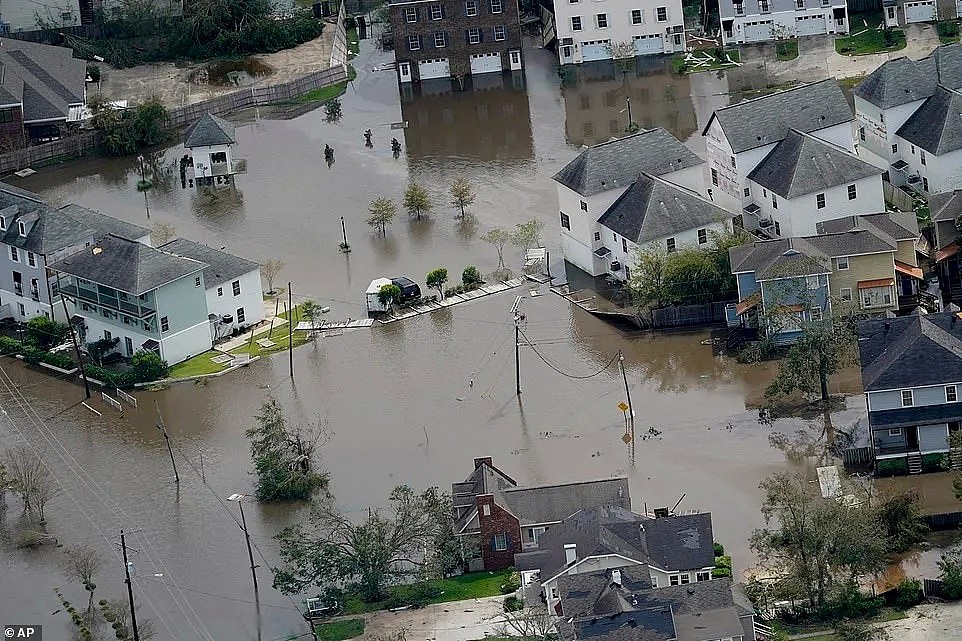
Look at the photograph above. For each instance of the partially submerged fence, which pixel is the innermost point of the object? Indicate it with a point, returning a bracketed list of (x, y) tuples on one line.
[(687, 315)]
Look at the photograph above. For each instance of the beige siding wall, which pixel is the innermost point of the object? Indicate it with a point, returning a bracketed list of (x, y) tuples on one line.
[(906, 253), (869, 267)]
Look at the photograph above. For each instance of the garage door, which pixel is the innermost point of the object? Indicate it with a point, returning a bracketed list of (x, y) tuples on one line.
[(435, 68), (595, 51), (485, 63), (756, 31), (809, 25), (919, 11), (645, 45)]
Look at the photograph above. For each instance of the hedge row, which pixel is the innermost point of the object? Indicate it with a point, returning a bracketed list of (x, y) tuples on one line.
[(34, 355)]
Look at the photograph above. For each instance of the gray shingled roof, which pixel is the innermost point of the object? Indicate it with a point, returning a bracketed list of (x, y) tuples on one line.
[(584, 593), (782, 258), (653, 208), (751, 7), (898, 225), (722, 622), (946, 206), (936, 126), (52, 78), (654, 624), (126, 265), (682, 542), (11, 87), (802, 164), (553, 503), (208, 131), (766, 120), (484, 479), (910, 351), (103, 223), (221, 266), (618, 163), (902, 80)]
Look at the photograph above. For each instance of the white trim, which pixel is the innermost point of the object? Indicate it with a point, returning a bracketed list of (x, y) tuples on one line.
[(596, 556)]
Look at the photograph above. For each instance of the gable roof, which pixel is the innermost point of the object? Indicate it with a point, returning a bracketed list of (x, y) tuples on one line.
[(802, 164), (50, 78), (221, 266), (126, 265), (618, 163), (11, 87), (553, 503), (653, 208), (910, 351), (766, 120), (902, 80), (681, 542), (936, 126), (781, 258), (208, 131), (897, 225), (485, 478)]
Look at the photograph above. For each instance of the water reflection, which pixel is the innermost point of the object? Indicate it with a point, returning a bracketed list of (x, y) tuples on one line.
[(489, 121), (595, 96)]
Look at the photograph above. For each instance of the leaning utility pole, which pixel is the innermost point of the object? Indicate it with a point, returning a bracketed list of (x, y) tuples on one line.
[(163, 430), (290, 327), (73, 338), (631, 411), (130, 589)]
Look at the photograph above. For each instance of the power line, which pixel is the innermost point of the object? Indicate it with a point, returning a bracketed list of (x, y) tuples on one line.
[(562, 372)]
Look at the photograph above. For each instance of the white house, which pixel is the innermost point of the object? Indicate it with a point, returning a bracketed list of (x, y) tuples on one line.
[(588, 30), (803, 181), (653, 214), (209, 141), (899, 13), (745, 21), (599, 175), (149, 299), (232, 284), (930, 144), (738, 137)]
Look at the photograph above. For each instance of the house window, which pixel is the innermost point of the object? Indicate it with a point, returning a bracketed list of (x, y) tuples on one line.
[(471, 8), (31, 259), (673, 579), (440, 40), (951, 394), (499, 33), (624, 245), (501, 541), (654, 581), (702, 236), (799, 4), (841, 263), (845, 294), (576, 23), (861, 134), (815, 313), (764, 6), (240, 315), (820, 201), (774, 202), (811, 282), (597, 236), (907, 399), (925, 184), (486, 510), (732, 161), (3, 222), (14, 255), (220, 291), (662, 14), (636, 16), (554, 593), (22, 229), (437, 12), (107, 335), (764, 193), (778, 229), (128, 345), (565, 221), (747, 192), (164, 324), (852, 194), (703, 576), (685, 578), (670, 245), (895, 431), (411, 14), (584, 206), (20, 308), (895, 149), (714, 177), (414, 43), (601, 20), (496, 6), (474, 36), (197, 281), (236, 287), (739, 8), (921, 159)]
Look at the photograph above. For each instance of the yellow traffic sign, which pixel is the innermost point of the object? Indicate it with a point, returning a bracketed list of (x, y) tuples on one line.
[(623, 407), (626, 438)]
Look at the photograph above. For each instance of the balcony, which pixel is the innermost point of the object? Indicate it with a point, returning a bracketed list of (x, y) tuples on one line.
[(139, 311)]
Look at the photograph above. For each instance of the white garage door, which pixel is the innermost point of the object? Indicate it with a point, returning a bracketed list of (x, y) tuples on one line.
[(756, 31), (919, 11), (597, 50), (645, 45), (485, 63), (435, 68), (809, 25)]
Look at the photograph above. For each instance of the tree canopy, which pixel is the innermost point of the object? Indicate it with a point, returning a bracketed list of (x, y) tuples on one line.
[(463, 194), (381, 213), (416, 201)]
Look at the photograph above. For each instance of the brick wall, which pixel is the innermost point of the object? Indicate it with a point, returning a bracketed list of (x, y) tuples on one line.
[(497, 521), (11, 130), (454, 23)]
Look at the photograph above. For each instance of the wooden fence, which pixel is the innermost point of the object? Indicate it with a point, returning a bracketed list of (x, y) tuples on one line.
[(897, 197), (339, 47), (687, 315), (56, 36), (72, 146), (933, 588), (943, 521), (857, 457)]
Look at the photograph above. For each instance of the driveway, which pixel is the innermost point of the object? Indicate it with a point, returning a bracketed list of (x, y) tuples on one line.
[(929, 622), (456, 621)]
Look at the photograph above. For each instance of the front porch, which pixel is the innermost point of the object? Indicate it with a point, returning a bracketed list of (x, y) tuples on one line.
[(912, 449)]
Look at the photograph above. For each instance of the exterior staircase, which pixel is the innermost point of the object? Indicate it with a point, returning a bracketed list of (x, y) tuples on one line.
[(915, 463), (955, 459)]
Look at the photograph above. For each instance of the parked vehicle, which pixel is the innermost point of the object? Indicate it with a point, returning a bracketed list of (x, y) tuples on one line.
[(409, 289)]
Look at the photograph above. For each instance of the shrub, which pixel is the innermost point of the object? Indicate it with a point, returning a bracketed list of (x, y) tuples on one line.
[(851, 603), (719, 549), (948, 29), (148, 366), (45, 333), (512, 604), (892, 467), (720, 572), (723, 561), (9, 345), (909, 593), (470, 276), (511, 583), (951, 567)]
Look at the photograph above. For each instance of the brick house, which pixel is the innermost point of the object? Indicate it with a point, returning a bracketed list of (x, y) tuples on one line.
[(455, 38), (505, 518)]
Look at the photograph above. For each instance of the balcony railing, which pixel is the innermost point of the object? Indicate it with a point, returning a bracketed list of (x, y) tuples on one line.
[(110, 302)]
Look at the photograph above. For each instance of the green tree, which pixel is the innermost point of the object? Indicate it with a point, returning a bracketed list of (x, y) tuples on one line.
[(148, 366), (384, 547), (381, 213), (470, 276), (463, 194), (311, 311), (150, 123), (436, 279), (271, 269), (647, 281), (822, 348), (497, 237), (46, 333), (527, 234), (950, 566), (283, 456), (900, 517), (388, 294), (416, 201)]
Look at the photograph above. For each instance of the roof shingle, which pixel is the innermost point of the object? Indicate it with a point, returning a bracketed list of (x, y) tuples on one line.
[(221, 266), (936, 126), (910, 351), (209, 131)]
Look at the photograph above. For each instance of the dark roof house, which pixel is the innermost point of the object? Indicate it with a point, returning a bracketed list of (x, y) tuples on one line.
[(45, 80), (209, 131), (902, 80), (221, 266), (910, 351), (936, 126)]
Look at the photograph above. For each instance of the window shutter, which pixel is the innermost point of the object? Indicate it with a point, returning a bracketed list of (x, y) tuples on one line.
[(467, 36), (420, 42), (507, 541), (494, 543), (505, 33)]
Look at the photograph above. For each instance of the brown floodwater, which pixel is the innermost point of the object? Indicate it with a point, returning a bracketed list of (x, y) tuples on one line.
[(398, 398)]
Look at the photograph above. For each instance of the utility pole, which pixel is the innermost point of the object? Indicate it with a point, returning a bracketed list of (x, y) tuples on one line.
[(73, 338), (344, 246), (628, 103), (130, 589), (239, 499), (515, 311), (163, 430), (290, 327), (631, 411)]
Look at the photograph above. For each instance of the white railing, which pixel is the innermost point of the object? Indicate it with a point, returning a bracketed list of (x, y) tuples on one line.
[(113, 402), (124, 396)]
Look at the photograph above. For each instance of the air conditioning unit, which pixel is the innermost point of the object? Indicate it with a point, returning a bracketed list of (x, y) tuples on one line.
[(615, 266), (226, 319), (914, 178), (765, 222)]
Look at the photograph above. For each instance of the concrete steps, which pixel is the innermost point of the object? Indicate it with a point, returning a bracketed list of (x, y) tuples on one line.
[(915, 463)]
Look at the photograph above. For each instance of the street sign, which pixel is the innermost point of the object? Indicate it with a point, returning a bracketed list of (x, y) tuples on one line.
[(623, 407), (626, 438)]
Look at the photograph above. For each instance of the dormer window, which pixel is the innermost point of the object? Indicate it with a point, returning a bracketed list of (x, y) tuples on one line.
[(21, 228)]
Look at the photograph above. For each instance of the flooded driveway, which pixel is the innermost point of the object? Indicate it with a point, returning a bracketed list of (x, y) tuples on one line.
[(398, 397)]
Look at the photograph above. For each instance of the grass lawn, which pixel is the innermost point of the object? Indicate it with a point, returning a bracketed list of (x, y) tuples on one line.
[(279, 335), (719, 61), (468, 586), (353, 44), (200, 364), (848, 83), (887, 614), (786, 49), (340, 630), (870, 41), (948, 32), (325, 94)]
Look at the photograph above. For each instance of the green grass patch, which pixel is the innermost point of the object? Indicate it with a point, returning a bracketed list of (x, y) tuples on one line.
[(719, 60), (475, 585), (871, 41), (200, 364), (786, 49), (353, 44), (849, 83), (279, 334), (330, 92), (340, 630), (948, 32)]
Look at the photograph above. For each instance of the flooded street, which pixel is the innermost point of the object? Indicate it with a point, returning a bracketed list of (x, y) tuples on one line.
[(397, 397)]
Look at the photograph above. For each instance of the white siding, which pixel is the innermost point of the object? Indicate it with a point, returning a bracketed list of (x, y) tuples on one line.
[(226, 304), (181, 345), (941, 173), (578, 243), (760, 27)]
